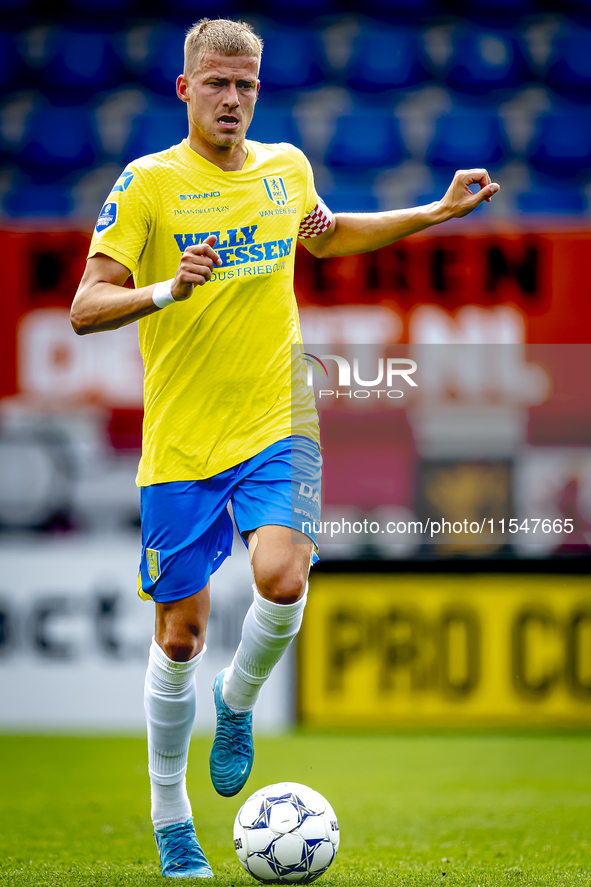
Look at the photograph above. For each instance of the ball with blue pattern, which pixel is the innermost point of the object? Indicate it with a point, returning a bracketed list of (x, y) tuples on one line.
[(286, 833)]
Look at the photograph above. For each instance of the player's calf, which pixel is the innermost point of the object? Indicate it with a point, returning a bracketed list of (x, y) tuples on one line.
[(268, 630)]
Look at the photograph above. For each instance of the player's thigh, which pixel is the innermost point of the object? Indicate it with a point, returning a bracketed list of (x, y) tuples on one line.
[(280, 558), (281, 485), (281, 488)]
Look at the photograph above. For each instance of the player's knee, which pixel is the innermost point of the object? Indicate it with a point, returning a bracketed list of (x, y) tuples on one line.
[(182, 647), (282, 586)]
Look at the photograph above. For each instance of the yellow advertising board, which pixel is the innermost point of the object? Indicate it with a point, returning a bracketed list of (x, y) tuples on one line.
[(446, 649)]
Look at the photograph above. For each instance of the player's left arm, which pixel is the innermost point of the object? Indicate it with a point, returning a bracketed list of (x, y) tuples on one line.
[(352, 233)]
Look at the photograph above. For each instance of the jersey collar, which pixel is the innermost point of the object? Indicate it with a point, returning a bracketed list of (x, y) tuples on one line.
[(192, 158)]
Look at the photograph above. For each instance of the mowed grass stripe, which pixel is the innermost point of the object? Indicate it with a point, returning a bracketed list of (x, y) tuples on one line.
[(413, 810)]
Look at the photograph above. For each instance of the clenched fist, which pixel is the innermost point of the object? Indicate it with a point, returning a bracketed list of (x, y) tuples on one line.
[(195, 268)]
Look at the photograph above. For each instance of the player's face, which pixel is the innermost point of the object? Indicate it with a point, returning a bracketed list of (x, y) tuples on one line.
[(221, 96)]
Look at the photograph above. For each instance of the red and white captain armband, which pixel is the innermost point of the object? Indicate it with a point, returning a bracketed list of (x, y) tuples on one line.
[(316, 222), (162, 294)]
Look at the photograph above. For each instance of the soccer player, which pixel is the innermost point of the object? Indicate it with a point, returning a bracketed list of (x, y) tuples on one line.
[(208, 230)]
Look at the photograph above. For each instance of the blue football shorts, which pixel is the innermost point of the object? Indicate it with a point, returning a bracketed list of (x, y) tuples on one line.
[(187, 530)]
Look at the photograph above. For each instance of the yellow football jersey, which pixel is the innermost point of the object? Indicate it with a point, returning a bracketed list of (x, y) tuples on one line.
[(217, 384)]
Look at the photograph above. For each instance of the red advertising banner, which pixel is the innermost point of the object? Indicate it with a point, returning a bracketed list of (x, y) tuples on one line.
[(456, 288), (474, 287), (541, 277)]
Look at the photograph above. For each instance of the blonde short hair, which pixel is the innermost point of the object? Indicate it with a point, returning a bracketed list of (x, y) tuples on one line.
[(223, 36)]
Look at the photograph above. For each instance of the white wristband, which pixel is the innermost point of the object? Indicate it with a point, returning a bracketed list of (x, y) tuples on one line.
[(162, 295)]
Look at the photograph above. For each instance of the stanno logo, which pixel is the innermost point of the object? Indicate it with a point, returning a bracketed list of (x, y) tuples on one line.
[(199, 196)]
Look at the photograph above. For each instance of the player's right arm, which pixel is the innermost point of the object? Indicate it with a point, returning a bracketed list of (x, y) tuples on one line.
[(103, 302)]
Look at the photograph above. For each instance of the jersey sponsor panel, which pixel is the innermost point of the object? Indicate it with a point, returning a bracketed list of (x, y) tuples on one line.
[(217, 366), (238, 246)]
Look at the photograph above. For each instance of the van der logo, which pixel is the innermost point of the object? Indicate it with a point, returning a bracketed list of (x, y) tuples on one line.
[(276, 190), (107, 217), (153, 561)]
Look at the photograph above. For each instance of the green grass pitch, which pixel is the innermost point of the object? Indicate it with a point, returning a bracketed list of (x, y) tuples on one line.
[(413, 810)]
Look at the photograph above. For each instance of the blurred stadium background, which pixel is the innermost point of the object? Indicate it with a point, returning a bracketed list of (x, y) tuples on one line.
[(386, 102)]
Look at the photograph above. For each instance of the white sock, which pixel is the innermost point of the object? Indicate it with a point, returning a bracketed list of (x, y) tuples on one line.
[(169, 702), (267, 632)]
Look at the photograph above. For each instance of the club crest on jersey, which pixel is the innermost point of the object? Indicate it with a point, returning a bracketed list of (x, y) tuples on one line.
[(107, 217), (153, 560), (276, 190)]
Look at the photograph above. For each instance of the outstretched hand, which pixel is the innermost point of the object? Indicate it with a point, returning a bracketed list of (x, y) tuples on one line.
[(195, 268), (459, 200)]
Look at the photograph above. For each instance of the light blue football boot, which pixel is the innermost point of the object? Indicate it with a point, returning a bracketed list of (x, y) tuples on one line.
[(180, 853), (232, 752)]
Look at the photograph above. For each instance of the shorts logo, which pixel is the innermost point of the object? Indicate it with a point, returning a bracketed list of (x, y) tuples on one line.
[(276, 190), (107, 217), (309, 493), (153, 559)]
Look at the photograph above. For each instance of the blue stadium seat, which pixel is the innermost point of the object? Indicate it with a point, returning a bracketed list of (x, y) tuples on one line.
[(386, 59), (569, 65), (15, 5), (164, 61), (467, 139), (561, 144), (156, 130), (352, 200), (103, 6), (35, 200), (482, 61), (401, 10), (10, 61), (366, 140), (273, 125), (499, 13), (579, 10), (78, 61), (566, 201), (294, 12), (209, 8), (291, 60), (58, 141)]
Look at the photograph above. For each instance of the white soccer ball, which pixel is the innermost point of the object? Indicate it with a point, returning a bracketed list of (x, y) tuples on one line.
[(286, 833)]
